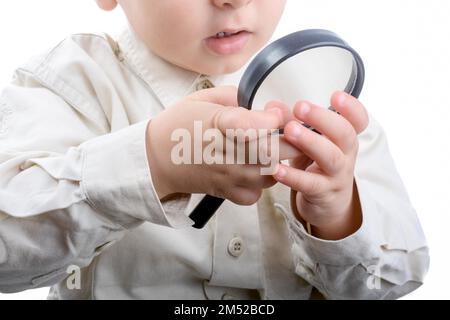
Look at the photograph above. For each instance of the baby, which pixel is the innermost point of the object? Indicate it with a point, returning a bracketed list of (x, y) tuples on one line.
[(92, 203)]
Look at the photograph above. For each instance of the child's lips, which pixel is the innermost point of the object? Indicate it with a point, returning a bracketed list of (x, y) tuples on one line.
[(231, 43)]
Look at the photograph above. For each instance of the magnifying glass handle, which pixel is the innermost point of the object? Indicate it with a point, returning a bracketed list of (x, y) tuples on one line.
[(205, 210)]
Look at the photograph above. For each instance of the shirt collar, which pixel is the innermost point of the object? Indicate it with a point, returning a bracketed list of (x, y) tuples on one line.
[(169, 82)]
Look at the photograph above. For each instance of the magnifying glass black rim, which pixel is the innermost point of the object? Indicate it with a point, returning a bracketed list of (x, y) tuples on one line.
[(285, 48), (259, 69)]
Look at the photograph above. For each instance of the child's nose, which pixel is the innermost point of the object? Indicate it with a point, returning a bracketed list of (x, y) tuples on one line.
[(236, 4)]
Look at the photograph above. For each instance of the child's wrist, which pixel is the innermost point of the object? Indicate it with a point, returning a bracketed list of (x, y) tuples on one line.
[(160, 181), (337, 228), (344, 225)]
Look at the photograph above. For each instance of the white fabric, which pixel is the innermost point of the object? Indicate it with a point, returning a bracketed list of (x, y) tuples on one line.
[(76, 189)]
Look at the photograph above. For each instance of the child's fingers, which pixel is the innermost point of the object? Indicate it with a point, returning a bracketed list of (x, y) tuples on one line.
[(301, 162), (260, 151), (264, 149), (224, 96), (351, 109), (287, 151), (242, 196), (302, 181), (285, 110), (329, 123), (240, 118), (249, 176), (317, 147)]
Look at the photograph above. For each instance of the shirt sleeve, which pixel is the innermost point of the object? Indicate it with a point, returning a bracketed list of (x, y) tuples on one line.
[(388, 256), (68, 187)]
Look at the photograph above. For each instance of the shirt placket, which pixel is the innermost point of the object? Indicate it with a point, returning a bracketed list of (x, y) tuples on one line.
[(237, 259)]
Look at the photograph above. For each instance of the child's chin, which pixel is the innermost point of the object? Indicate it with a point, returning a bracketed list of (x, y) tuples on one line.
[(226, 67)]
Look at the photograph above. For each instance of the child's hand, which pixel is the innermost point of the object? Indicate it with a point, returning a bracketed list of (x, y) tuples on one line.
[(216, 109), (326, 197)]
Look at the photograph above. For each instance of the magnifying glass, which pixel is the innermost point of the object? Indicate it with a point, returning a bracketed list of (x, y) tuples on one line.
[(307, 65)]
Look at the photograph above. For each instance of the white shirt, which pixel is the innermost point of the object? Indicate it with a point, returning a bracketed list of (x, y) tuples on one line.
[(76, 190)]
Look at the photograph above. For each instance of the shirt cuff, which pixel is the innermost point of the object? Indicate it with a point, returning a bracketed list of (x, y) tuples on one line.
[(363, 245), (117, 181)]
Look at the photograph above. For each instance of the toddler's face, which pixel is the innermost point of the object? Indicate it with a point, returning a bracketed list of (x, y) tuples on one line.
[(190, 33)]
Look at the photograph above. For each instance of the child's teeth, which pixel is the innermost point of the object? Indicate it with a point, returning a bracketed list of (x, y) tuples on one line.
[(223, 34)]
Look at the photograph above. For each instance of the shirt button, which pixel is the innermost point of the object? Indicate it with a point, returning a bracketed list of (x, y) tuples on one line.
[(204, 84), (236, 247)]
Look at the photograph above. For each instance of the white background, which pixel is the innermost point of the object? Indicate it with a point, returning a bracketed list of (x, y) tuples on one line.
[(406, 49)]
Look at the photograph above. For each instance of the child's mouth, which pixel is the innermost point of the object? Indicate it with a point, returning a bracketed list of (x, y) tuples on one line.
[(225, 43)]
